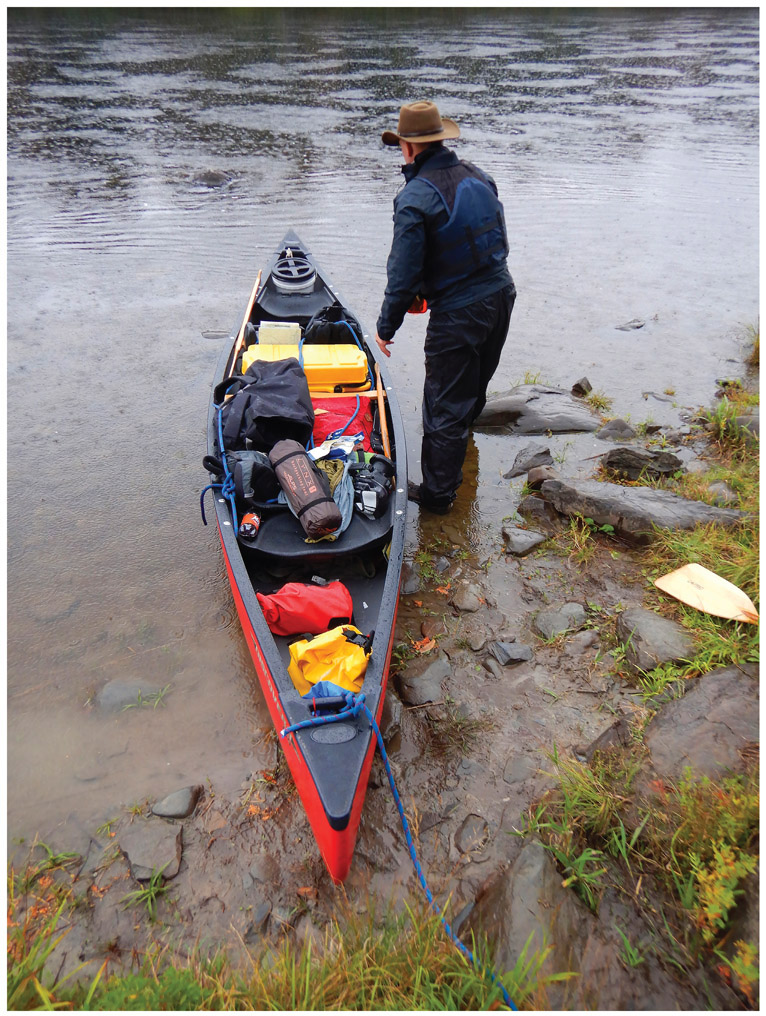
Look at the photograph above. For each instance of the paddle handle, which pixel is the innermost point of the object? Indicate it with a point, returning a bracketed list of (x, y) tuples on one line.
[(245, 319), (382, 413)]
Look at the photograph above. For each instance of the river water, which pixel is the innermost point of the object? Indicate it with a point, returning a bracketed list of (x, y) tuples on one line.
[(625, 148)]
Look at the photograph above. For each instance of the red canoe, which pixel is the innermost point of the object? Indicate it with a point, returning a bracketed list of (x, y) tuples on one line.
[(330, 763)]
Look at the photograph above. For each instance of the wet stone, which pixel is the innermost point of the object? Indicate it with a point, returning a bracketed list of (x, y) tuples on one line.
[(651, 639), (537, 409), (723, 493), (580, 642), (519, 768), (179, 804), (510, 652), (493, 667), (616, 430), (473, 835), (152, 846), (582, 387), (410, 579), (468, 597), (257, 927), (556, 620), (634, 463), (521, 542), (433, 626), (529, 457), (708, 728), (421, 681)]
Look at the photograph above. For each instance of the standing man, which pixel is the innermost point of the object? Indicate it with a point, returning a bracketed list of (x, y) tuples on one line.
[(449, 248)]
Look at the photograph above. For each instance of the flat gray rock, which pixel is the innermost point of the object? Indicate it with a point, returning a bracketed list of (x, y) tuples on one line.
[(510, 652), (537, 409), (521, 542), (152, 846), (651, 639), (633, 511), (555, 621), (421, 681), (467, 597), (707, 728), (634, 463)]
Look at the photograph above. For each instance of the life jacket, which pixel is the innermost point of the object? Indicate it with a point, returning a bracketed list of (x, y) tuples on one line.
[(474, 238)]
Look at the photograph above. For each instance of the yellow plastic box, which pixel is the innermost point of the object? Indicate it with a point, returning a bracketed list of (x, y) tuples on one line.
[(325, 366)]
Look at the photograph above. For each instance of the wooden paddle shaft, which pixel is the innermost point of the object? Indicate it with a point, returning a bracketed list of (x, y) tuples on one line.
[(241, 336), (382, 414)]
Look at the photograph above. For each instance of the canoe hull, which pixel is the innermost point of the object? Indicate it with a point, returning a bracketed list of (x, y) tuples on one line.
[(330, 764)]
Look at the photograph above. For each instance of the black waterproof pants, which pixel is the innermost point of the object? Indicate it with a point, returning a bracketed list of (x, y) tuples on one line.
[(463, 350)]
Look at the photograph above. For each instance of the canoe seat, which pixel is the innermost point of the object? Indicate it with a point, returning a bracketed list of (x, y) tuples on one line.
[(281, 537)]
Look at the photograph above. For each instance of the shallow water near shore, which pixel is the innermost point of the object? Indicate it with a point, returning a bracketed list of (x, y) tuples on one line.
[(153, 165)]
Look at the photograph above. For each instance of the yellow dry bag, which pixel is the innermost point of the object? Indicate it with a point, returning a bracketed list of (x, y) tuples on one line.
[(331, 663)]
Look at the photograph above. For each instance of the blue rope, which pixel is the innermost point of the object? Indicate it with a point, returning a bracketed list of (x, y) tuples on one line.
[(227, 488), (355, 705)]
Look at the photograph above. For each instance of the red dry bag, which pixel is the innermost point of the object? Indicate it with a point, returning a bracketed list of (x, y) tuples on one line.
[(299, 608)]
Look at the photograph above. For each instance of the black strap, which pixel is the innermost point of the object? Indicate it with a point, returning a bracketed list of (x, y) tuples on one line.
[(319, 500)]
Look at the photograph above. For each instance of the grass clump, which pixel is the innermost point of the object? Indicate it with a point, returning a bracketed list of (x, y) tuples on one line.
[(403, 963)]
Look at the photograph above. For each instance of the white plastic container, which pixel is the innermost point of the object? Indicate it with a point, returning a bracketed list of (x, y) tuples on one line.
[(278, 333)]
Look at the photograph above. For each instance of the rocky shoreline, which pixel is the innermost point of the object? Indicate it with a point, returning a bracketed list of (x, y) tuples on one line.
[(505, 661)]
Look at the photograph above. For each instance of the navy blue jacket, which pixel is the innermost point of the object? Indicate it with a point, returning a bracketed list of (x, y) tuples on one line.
[(419, 211)]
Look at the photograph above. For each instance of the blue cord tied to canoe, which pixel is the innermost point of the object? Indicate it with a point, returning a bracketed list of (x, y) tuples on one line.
[(354, 706), (227, 488)]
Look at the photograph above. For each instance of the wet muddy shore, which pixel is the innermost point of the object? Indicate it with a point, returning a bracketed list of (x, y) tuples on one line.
[(505, 657)]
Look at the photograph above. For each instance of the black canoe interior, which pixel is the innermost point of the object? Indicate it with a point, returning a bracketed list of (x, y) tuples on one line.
[(279, 553)]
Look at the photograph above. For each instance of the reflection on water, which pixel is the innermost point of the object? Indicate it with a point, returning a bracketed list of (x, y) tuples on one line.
[(156, 158)]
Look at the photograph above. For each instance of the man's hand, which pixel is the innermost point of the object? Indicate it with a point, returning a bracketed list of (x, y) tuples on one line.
[(383, 345)]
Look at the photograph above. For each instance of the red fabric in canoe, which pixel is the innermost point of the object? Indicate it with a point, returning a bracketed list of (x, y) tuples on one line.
[(335, 413)]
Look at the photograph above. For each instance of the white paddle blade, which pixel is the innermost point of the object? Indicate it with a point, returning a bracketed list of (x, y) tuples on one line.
[(704, 590)]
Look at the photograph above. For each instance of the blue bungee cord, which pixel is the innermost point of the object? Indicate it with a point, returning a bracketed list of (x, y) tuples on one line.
[(354, 706), (227, 488)]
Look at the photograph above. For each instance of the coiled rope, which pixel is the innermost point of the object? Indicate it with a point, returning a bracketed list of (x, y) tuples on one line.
[(227, 488), (354, 706)]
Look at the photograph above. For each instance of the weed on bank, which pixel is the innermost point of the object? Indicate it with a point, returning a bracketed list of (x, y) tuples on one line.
[(681, 851), (404, 962)]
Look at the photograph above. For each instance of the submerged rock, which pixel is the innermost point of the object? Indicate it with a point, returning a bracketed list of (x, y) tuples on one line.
[(633, 511), (537, 409)]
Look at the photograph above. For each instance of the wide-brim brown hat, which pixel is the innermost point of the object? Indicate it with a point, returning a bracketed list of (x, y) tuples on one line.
[(420, 122)]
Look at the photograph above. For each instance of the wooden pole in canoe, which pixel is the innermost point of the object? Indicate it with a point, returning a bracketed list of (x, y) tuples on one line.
[(241, 336), (382, 413)]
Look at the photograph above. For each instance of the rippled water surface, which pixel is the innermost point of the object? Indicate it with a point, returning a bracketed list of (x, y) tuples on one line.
[(155, 161)]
